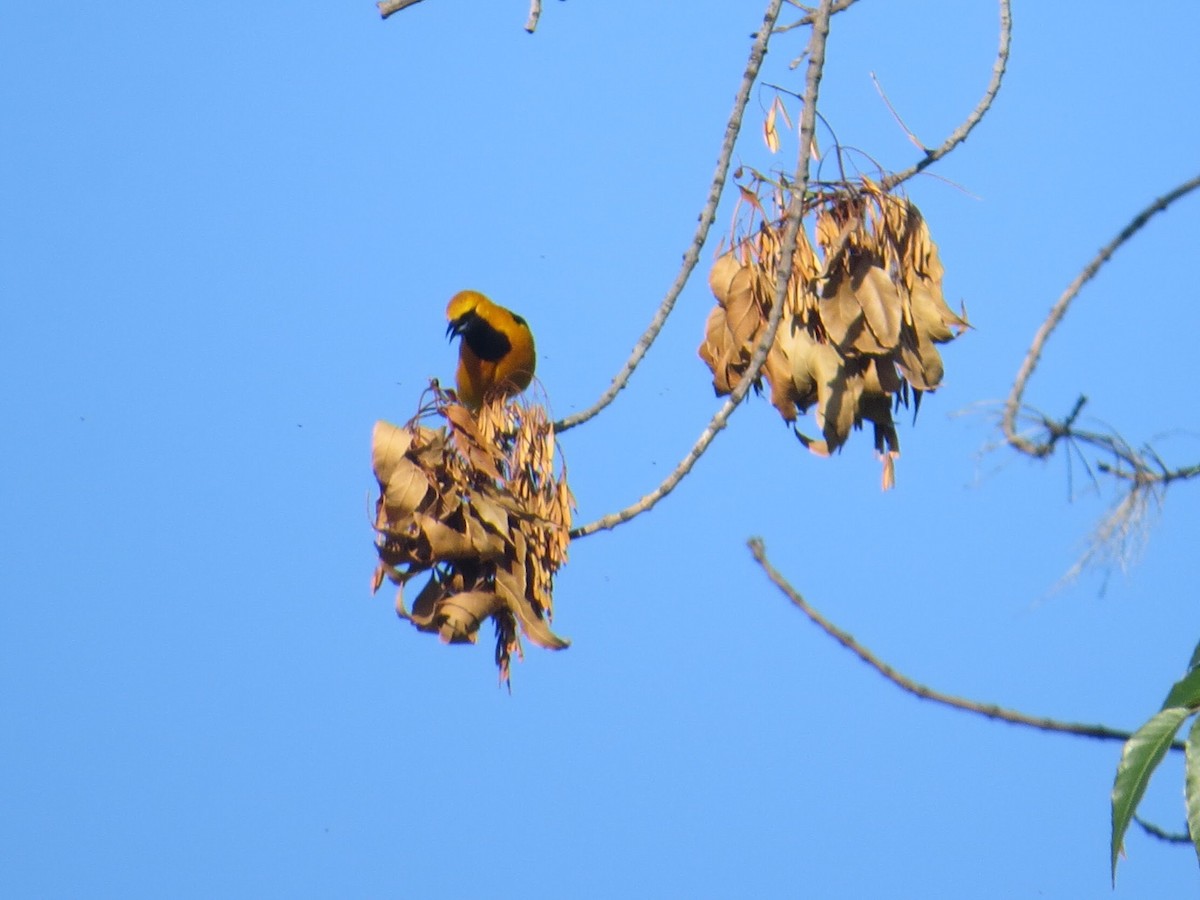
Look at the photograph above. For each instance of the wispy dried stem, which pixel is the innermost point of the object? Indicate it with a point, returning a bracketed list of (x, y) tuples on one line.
[(960, 134), (733, 128), (816, 66), (987, 710)]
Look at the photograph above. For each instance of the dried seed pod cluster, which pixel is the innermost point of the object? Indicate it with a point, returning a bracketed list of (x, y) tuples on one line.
[(478, 505), (860, 323)]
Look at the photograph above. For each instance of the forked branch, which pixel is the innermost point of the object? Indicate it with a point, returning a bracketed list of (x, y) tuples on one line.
[(816, 66), (1119, 535), (691, 256), (989, 95), (1013, 406)]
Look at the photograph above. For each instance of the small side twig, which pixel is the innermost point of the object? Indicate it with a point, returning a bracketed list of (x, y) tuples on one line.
[(691, 256), (389, 7), (987, 710), (816, 66), (908, 132), (837, 7), (960, 134)]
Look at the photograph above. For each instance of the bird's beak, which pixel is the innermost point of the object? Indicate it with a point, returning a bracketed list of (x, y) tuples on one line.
[(454, 329)]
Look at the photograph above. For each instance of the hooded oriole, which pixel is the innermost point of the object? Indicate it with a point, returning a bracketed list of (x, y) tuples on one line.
[(496, 352)]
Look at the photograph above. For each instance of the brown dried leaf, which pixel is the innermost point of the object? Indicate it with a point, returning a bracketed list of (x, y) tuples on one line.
[(743, 315), (778, 371), (838, 391), (490, 513), (487, 544), (405, 492), (841, 314), (460, 615), (425, 604), (798, 389), (770, 132), (888, 479), (921, 363), (721, 275), (921, 260), (881, 377), (388, 446), (877, 409), (881, 306), (445, 543), (932, 316)]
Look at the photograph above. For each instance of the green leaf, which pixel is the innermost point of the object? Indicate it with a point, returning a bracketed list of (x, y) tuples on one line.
[(1195, 660), (1140, 757), (1192, 784), (1185, 692)]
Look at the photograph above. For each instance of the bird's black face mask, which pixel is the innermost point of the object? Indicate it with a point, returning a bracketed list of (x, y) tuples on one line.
[(485, 341)]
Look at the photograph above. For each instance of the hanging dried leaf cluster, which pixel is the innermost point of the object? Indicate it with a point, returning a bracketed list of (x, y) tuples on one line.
[(478, 505), (861, 320)]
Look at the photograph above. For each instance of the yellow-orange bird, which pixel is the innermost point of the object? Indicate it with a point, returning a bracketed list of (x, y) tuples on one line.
[(496, 353)]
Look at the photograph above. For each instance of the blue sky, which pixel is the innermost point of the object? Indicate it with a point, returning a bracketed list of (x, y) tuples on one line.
[(227, 236)]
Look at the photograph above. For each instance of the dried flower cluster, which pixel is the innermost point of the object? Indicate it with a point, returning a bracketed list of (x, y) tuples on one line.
[(478, 505), (860, 324)]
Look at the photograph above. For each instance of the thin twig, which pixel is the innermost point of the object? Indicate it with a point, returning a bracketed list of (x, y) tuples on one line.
[(816, 66), (388, 7), (912, 138), (960, 134), (692, 256), (535, 13), (988, 710), (1012, 407)]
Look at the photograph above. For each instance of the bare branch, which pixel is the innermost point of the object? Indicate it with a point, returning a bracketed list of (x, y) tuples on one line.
[(960, 134), (535, 13), (837, 7), (1121, 533), (988, 710), (1013, 405), (707, 215), (388, 7), (816, 66)]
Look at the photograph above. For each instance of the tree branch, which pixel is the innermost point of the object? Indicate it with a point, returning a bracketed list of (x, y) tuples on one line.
[(1122, 530), (988, 710), (535, 13), (960, 134), (837, 7), (388, 7), (1012, 407), (733, 128), (796, 209)]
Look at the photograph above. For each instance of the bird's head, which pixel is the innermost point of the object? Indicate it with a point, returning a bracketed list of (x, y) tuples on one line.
[(461, 310)]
